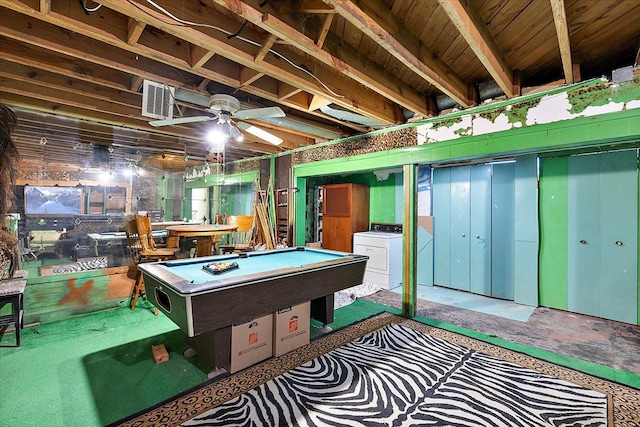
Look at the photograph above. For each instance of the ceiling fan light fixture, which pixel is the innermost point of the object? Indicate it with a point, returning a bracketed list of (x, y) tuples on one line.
[(216, 135), (236, 134), (263, 135)]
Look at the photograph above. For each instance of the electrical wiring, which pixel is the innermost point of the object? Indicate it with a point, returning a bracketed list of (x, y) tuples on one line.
[(86, 9), (244, 39)]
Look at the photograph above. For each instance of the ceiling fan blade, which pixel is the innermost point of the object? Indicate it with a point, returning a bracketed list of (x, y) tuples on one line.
[(257, 113), (181, 120), (260, 133)]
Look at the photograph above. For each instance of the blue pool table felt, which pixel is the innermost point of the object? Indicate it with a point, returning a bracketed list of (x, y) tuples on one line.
[(257, 264)]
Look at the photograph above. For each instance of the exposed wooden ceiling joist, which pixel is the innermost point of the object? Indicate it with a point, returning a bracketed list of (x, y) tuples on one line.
[(374, 63)]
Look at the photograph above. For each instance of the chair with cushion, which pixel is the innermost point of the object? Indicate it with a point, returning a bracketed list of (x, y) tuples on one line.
[(240, 240), (142, 250)]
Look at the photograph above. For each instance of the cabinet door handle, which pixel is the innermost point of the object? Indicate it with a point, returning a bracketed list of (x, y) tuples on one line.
[(619, 243), (583, 242), (464, 235), (477, 236)]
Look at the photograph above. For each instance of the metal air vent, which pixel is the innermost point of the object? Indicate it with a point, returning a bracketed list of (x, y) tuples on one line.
[(157, 100)]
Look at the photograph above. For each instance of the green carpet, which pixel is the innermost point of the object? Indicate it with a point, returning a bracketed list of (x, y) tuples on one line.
[(91, 370), (96, 369)]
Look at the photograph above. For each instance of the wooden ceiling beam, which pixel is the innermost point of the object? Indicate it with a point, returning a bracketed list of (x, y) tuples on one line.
[(358, 69), (24, 54), (355, 98), (136, 83), (202, 87), (476, 33), (301, 101), (287, 91), (42, 124), (134, 31), (105, 30), (324, 30), (199, 56), (31, 75), (28, 100), (316, 7), (71, 71), (562, 31), (248, 76), (71, 99), (376, 22), (21, 27), (266, 46)]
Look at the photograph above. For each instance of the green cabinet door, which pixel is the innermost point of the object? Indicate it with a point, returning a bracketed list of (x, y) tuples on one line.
[(583, 293), (619, 236), (603, 235), (480, 230), (503, 231), (462, 228), (460, 232), (441, 226)]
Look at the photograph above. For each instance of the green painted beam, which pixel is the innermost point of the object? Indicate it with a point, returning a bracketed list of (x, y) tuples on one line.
[(409, 253), (604, 130)]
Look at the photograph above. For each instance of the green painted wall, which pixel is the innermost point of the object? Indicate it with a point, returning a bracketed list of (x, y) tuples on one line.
[(236, 199), (232, 194), (591, 133), (553, 232), (170, 197), (382, 195)]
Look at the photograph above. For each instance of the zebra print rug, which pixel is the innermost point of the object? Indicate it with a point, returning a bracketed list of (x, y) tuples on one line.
[(81, 265), (391, 371)]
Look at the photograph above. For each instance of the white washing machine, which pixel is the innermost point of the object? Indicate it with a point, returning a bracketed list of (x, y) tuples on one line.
[(384, 249)]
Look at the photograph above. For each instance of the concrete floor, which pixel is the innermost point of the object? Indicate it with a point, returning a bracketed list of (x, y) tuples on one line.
[(596, 340)]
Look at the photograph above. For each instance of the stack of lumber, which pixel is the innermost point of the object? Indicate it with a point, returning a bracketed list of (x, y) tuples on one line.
[(265, 233), (265, 225)]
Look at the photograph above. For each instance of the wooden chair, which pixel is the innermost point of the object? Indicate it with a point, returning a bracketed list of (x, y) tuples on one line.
[(142, 249), (240, 240), (220, 219)]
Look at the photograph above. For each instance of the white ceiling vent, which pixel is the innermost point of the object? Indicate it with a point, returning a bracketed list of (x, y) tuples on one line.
[(157, 100)]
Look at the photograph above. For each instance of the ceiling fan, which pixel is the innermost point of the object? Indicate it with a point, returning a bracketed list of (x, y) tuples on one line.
[(226, 112)]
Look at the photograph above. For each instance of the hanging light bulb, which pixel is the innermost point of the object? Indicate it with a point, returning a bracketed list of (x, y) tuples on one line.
[(236, 134)]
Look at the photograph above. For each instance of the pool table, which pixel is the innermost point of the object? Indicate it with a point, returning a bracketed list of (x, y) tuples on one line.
[(207, 305), (265, 281)]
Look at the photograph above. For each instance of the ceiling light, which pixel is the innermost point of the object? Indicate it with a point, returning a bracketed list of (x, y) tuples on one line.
[(236, 134), (105, 176), (263, 135), (216, 135)]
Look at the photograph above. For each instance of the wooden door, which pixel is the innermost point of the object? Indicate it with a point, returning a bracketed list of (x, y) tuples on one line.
[(336, 233)]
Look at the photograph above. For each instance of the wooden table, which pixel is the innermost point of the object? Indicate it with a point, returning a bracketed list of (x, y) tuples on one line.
[(204, 233), (164, 224)]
